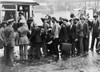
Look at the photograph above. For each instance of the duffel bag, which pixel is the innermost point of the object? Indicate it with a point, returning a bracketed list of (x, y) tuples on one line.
[(66, 46)]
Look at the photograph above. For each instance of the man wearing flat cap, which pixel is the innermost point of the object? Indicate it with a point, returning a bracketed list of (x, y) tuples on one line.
[(95, 31), (8, 36)]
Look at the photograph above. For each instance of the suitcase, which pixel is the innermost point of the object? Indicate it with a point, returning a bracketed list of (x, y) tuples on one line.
[(66, 47)]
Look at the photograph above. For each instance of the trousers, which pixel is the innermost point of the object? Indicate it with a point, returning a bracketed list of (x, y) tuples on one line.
[(9, 55)]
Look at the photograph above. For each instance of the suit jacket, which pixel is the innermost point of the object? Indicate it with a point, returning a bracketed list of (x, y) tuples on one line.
[(85, 30), (95, 26), (80, 29)]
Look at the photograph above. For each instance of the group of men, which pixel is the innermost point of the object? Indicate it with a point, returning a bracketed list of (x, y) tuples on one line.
[(75, 31), (51, 36)]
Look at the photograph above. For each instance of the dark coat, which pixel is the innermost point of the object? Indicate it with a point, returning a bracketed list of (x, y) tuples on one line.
[(95, 27), (80, 29), (85, 30), (64, 33), (35, 35), (89, 24), (73, 32)]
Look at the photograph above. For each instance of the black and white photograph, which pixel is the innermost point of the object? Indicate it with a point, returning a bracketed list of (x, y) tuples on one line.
[(49, 35)]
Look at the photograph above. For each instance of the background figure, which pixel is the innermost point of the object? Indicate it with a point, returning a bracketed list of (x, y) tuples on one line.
[(95, 32), (35, 40), (86, 36), (80, 34), (29, 22), (55, 31), (23, 41), (64, 35), (22, 18), (73, 36), (46, 26), (76, 20), (8, 36), (3, 26)]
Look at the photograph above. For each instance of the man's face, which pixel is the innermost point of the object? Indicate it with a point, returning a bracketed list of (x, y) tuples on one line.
[(45, 21), (82, 20), (46, 17), (64, 22), (75, 21), (71, 21), (95, 18), (60, 19)]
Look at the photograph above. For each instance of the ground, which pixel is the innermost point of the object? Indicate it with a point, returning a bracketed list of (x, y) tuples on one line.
[(87, 63)]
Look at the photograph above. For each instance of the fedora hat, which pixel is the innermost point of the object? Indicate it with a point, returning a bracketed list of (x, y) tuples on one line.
[(64, 19)]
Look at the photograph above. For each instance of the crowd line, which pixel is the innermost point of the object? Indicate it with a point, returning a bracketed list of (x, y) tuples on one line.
[(72, 36)]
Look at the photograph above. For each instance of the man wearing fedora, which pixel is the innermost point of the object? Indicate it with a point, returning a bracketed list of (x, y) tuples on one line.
[(8, 36), (95, 31)]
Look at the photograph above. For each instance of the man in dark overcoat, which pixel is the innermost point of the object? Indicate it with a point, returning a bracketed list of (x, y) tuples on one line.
[(73, 35), (35, 40), (95, 31)]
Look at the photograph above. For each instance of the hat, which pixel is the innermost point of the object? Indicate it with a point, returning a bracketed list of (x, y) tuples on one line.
[(53, 18), (72, 15), (76, 19), (95, 15), (65, 19), (10, 20), (70, 20)]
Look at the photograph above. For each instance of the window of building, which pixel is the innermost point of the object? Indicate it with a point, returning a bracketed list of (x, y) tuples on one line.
[(8, 12)]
